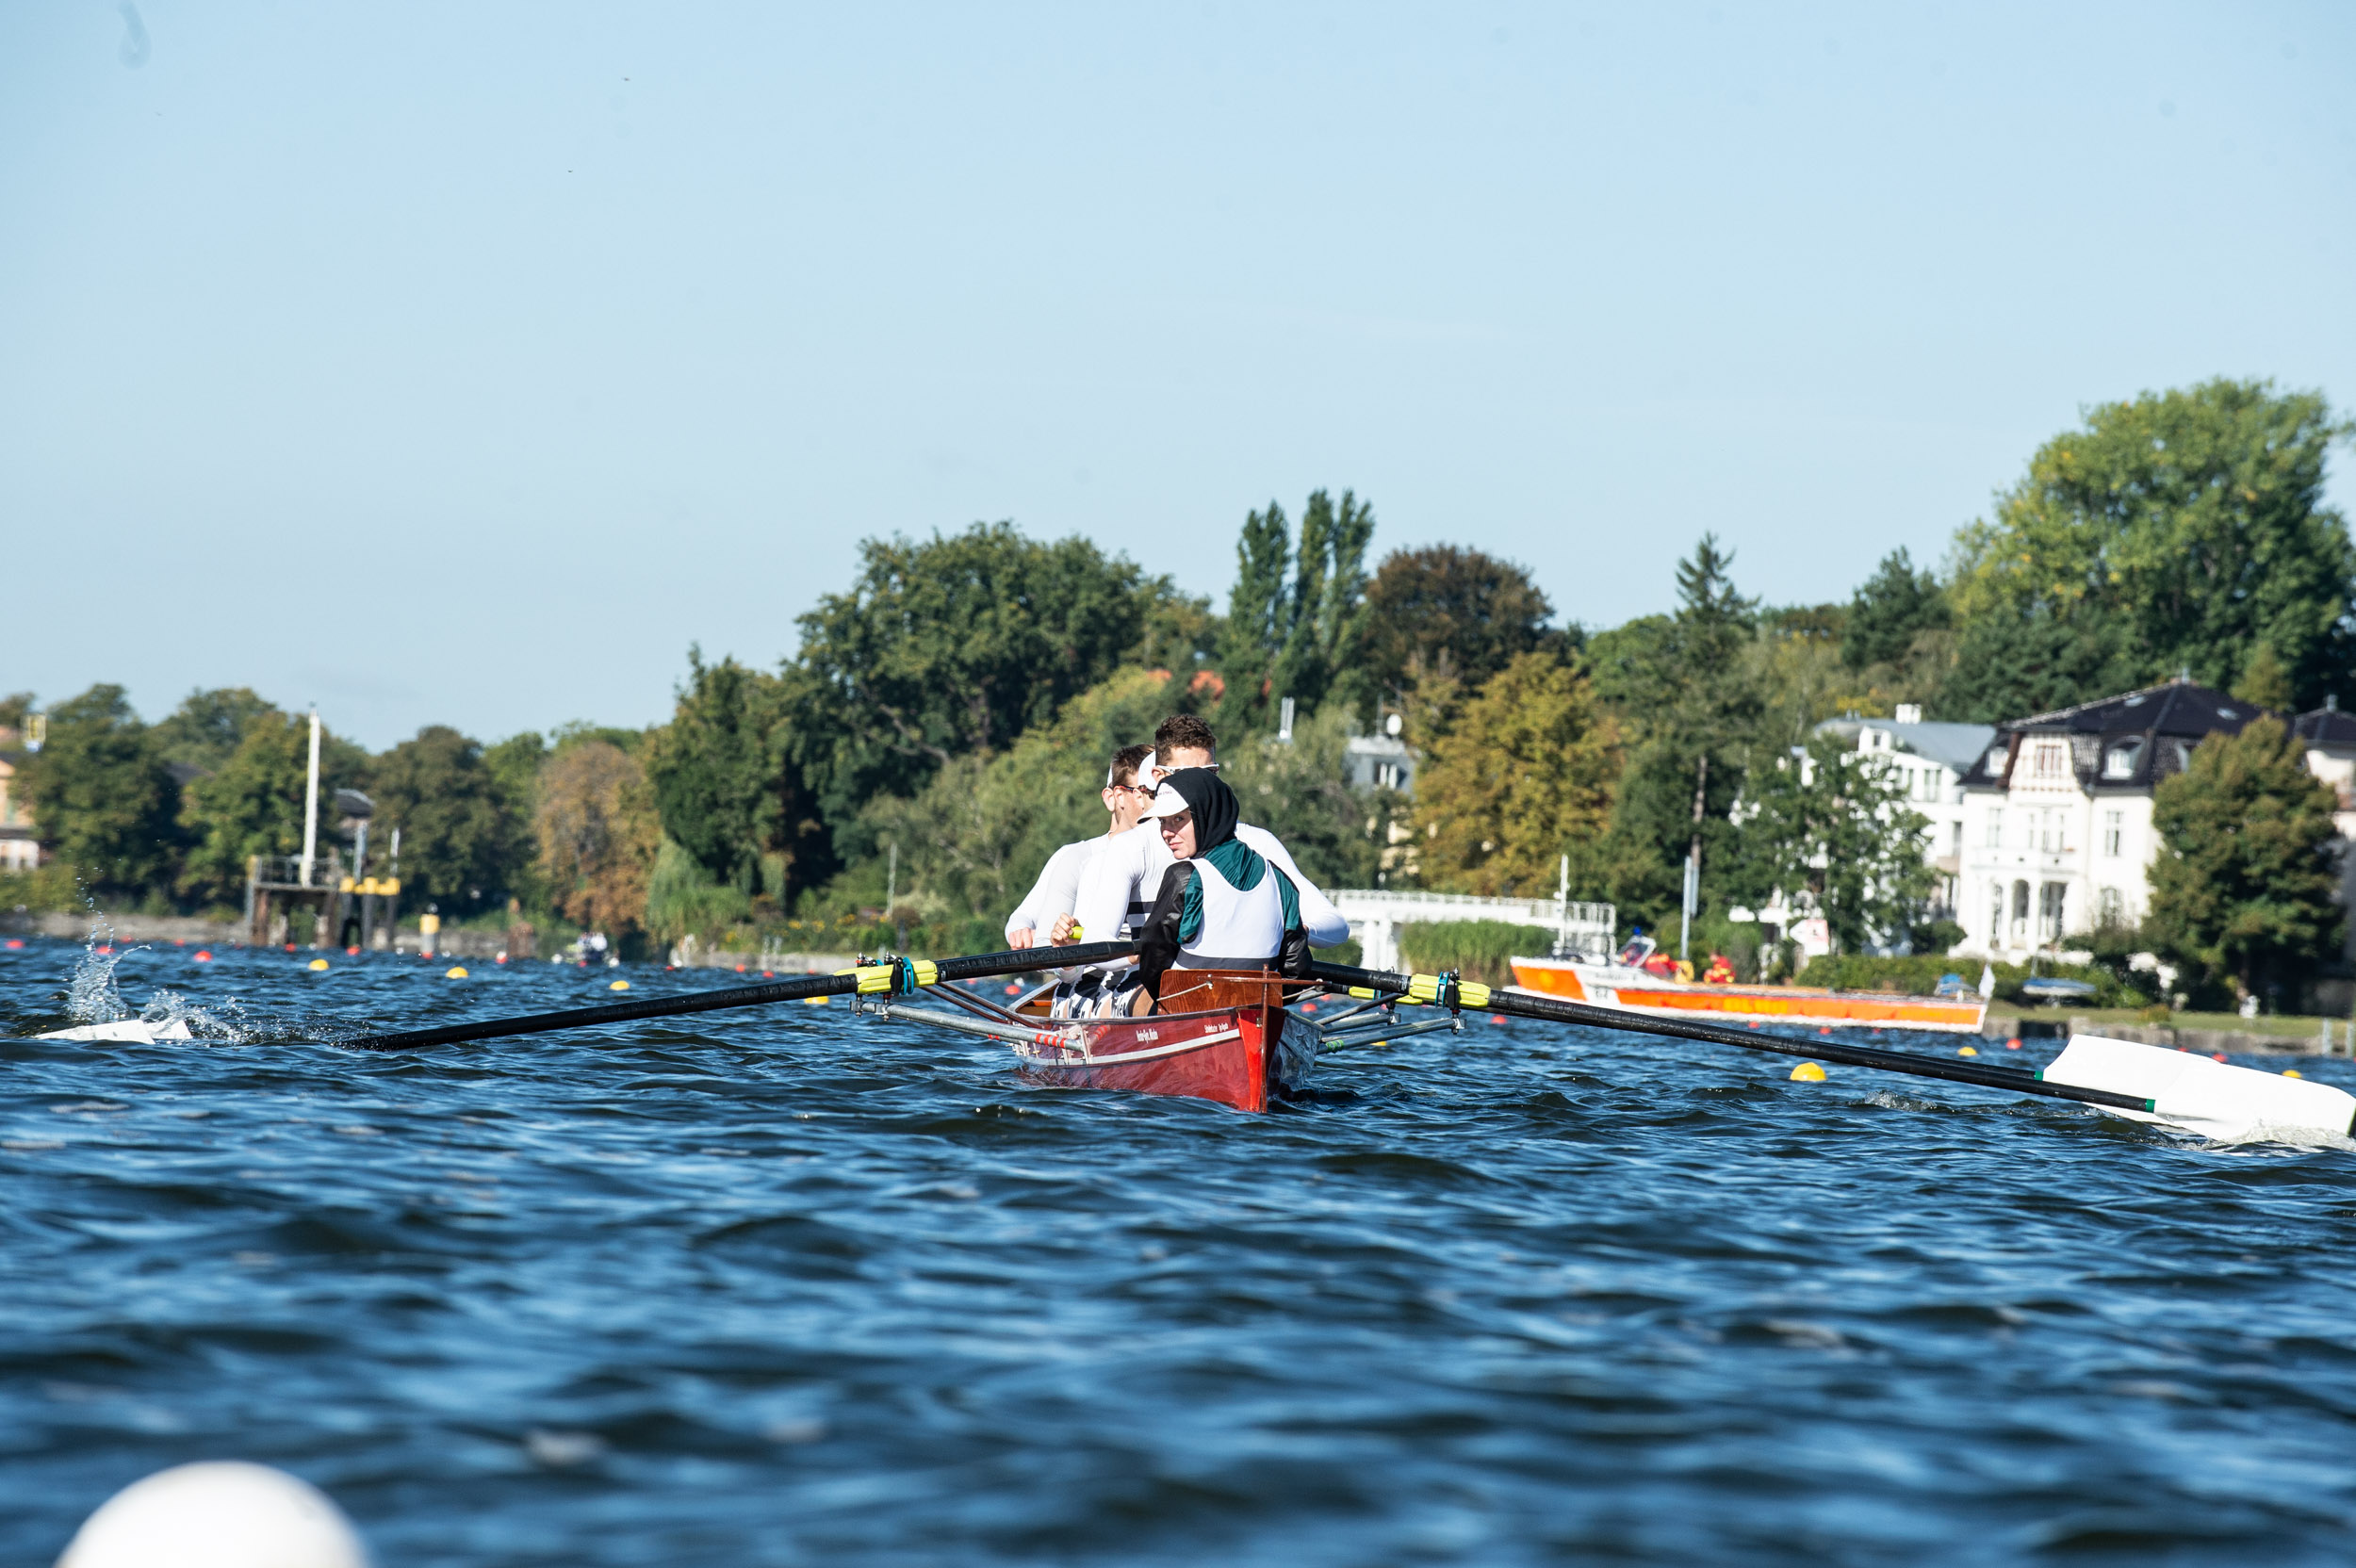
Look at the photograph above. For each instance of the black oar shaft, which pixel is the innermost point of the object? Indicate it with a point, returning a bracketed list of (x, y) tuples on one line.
[(800, 990), (1555, 1009)]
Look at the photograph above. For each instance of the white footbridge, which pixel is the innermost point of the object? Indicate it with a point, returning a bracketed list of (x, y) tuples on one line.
[(1375, 915)]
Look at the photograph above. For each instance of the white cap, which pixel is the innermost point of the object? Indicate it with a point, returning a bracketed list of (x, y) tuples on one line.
[(1167, 803), (219, 1515)]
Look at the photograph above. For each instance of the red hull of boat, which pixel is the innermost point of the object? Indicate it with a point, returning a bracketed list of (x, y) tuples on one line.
[(1237, 1055)]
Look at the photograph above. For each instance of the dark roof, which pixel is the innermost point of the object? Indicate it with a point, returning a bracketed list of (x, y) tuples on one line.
[(2179, 708), (2152, 731), (2326, 727)]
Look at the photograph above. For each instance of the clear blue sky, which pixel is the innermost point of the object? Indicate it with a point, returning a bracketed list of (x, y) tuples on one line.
[(465, 363)]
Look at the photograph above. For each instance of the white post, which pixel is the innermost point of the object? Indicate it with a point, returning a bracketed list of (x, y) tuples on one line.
[(1285, 722), (311, 804)]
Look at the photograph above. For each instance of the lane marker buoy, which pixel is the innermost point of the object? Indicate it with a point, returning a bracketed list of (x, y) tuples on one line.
[(456, 971), (203, 956), (816, 1001), (1808, 1073), (1971, 1051), (2293, 1072), (619, 985), (318, 963)]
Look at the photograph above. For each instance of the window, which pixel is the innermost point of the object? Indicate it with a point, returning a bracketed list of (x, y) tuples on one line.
[(1956, 846), (1996, 830), (2120, 761), (2046, 761), (2114, 830), (2112, 906), (2051, 899), (2049, 837)]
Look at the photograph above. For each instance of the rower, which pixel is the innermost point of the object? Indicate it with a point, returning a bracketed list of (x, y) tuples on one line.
[(1222, 905), (1118, 885), (1052, 896)]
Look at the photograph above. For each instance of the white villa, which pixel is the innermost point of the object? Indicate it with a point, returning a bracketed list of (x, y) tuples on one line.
[(2057, 813), (1930, 761)]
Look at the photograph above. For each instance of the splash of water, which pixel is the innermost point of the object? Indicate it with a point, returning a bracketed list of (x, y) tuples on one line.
[(224, 1023), (90, 997)]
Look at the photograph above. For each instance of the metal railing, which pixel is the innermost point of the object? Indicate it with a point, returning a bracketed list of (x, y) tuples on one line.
[(1376, 913)]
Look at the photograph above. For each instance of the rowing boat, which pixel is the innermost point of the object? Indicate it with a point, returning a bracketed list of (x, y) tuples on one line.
[(1219, 1035), (1628, 988)]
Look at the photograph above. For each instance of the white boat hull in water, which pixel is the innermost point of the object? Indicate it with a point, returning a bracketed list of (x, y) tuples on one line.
[(130, 1031)]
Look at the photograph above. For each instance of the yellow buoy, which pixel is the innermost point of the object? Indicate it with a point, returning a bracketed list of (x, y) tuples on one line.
[(619, 985), (456, 971), (318, 963), (2293, 1072), (1968, 1050), (1808, 1073)]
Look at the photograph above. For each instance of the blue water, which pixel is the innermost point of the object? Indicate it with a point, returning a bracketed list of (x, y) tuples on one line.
[(784, 1287)]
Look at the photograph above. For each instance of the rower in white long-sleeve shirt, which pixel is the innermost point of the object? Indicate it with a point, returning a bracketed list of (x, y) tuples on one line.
[(1118, 882), (1045, 912)]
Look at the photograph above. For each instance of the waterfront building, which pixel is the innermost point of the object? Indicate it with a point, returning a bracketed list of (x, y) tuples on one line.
[(2330, 739), (1929, 760), (2057, 813), (20, 848)]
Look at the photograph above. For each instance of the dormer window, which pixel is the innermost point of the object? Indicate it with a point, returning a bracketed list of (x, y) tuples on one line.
[(2046, 761), (2120, 761), (1996, 759)]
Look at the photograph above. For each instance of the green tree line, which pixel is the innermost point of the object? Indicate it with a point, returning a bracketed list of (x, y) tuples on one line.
[(946, 720)]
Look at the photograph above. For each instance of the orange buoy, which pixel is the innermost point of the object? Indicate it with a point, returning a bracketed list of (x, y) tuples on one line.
[(202, 956)]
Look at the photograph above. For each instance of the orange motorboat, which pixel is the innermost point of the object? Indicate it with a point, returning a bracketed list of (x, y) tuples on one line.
[(1636, 981)]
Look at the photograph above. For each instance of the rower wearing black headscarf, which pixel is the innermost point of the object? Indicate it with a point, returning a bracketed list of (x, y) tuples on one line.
[(1221, 906)]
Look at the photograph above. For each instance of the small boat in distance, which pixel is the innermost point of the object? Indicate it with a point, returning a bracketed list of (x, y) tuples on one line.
[(1634, 983)]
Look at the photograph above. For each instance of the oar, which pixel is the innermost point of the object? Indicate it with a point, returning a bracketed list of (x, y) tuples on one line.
[(894, 976), (2144, 1083)]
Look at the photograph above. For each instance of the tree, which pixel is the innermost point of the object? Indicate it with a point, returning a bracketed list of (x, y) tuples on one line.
[(1297, 642), (722, 780), (2264, 683), (1526, 773), (973, 842), (1888, 610), (208, 725), (1298, 792), (598, 835), (463, 844), (1448, 608), (15, 708), (101, 800), (954, 645), (2009, 667), (1831, 830), (1685, 696), (2184, 529), (2243, 886), (253, 804)]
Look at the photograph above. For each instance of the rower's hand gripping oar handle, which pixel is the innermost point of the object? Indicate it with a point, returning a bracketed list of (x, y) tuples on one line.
[(1447, 990), (894, 976)]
